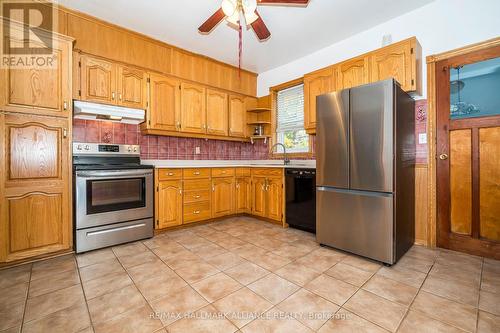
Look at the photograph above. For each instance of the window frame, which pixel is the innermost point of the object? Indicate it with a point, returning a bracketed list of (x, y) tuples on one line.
[(273, 91)]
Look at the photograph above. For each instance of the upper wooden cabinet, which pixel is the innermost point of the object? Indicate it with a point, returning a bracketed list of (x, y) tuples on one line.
[(132, 87), (163, 112), (217, 116), (237, 116), (352, 73), (193, 109), (315, 84), (44, 90)]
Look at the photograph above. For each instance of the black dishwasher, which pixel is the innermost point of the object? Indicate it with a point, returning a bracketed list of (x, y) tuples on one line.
[(300, 194)]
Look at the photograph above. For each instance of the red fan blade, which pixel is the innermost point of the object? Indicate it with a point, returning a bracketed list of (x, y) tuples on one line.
[(212, 21), (284, 2), (260, 28)]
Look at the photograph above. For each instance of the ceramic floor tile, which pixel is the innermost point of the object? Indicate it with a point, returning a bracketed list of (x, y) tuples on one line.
[(56, 282), (107, 306), (13, 294), (134, 321), (240, 306), (46, 304), (269, 243), (169, 250), (488, 323), (349, 274), (490, 281), (464, 261), (106, 284), (69, 320), (100, 269), (144, 271), (376, 309), (138, 259), (416, 264), (489, 302), (318, 261), (332, 289), (297, 273), (269, 261), (175, 305), (129, 249), (249, 251), (11, 315), (216, 286), (407, 276), (207, 319), (347, 322), (273, 288), (157, 241), (415, 319), (362, 263), (391, 290), (225, 261), (308, 308), (160, 285), (276, 322), (197, 272), (182, 259), (48, 268), (453, 313), (16, 329), (291, 252), (247, 273), (208, 251), (93, 257), (455, 273), (452, 289), (15, 275), (231, 243), (423, 252)]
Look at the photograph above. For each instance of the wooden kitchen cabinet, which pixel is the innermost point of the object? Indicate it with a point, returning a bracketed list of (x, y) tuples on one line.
[(259, 196), (168, 203), (274, 198), (42, 90), (222, 196), (237, 116), (217, 112), (352, 73), (35, 214), (267, 193), (132, 87), (193, 109), (164, 107), (243, 195), (316, 84), (97, 80)]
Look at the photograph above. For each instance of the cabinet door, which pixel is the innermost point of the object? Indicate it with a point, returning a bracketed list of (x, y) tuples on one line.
[(169, 203), (274, 199), (237, 116), (314, 85), (353, 73), (44, 90), (222, 196), (216, 112), (132, 87), (193, 111), (259, 196), (243, 195), (36, 182), (164, 103), (394, 62), (98, 80)]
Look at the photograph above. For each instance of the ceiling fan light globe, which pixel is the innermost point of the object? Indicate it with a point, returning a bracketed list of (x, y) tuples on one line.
[(249, 5), (250, 17), (228, 7), (234, 19)]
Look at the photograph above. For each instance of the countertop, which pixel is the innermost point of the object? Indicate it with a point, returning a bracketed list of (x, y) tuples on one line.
[(298, 164)]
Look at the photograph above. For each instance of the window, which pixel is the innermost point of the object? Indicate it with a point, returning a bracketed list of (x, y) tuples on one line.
[(290, 125)]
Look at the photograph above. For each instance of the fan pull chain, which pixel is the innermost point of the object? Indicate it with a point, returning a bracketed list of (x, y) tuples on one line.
[(240, 48)]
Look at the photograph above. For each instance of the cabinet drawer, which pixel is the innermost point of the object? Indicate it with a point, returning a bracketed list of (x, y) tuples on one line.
[(166, 174), (197, 184), (196, 173), (222, 172), (268, 172), (196, 196), (243, 172), (197, 211)]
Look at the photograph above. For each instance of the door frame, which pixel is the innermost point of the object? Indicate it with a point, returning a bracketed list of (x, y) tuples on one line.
[(433, 62)]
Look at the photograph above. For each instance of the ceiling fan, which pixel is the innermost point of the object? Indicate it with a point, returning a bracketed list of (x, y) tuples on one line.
[(238, 11)]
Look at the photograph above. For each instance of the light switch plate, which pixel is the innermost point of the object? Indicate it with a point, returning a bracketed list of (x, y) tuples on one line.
[(197, 150), (422, 138)]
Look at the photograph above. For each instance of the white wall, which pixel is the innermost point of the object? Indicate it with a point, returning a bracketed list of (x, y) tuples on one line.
[(439, 26)]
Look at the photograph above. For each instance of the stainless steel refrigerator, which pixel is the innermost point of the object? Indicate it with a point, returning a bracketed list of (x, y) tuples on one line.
[(365, 151)]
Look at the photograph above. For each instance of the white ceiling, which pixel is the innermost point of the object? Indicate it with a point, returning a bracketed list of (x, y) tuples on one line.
[(295, 31)]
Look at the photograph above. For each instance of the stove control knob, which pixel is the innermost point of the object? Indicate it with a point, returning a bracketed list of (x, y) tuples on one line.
[(135, 149), (87, 147), (129, 149), (79, 147)]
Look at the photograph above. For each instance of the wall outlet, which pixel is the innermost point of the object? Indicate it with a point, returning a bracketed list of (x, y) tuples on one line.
[(422, 138), (197, 150)]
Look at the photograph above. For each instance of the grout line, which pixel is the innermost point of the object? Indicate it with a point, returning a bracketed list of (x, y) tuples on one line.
[(479, 293), (84, 295), (26, 300)]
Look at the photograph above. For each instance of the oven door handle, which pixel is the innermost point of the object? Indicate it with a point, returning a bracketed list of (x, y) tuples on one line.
[(118, 173), (105, 231)]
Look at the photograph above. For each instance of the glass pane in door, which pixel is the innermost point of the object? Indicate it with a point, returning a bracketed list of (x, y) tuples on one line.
[(475, 89), (115, 194)]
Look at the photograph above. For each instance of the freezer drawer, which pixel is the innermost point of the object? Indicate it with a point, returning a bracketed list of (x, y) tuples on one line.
[(356, 221), (113, 234)]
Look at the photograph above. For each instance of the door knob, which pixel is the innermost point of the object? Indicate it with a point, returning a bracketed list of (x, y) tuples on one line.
[(443, 157)]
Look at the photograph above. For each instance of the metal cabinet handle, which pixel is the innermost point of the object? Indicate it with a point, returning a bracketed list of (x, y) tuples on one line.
[(224, 171), (113, 95), (196, 173), (197, 196), (65, 105), (443, 157), (178, 124), (65, 133), (204, 126), (196, 212), (180, 191), (237, 185), (213, 188), (170, 173), (120, 96)]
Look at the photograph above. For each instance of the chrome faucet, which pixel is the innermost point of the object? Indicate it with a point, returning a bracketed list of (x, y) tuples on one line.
[(286, 160)]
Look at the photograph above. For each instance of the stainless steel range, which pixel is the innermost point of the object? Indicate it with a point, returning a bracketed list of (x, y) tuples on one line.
[(113, 195)]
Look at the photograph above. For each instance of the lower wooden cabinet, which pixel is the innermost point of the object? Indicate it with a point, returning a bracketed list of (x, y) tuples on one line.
[(222, 196), (243, 195), (267, 195), (259, 196), (274, 199), (168, 203), (35, 212)]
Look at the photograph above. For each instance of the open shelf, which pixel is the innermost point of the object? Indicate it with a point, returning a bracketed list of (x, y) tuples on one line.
[(259, 110), (259, 137), (259, 122)]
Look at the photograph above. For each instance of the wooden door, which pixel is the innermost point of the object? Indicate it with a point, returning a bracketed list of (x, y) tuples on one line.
[(259, 196), (35, 215), (169, 203), (164, 103), (44, 90), (132, 87), (217, 109), (353, 73), (468, 155), (222, 196), (193, 110), (275, 198), (237, 116), (394, 62), (98, 80), (243, 195), (314, 85)]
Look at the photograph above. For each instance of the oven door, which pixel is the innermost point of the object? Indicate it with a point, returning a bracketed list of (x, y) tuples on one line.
[(109, 196)]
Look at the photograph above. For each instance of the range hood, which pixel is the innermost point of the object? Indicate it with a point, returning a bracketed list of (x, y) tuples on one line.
[(96, 111)]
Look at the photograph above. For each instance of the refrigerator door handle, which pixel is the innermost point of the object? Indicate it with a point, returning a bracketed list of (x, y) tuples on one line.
[(357, 192)]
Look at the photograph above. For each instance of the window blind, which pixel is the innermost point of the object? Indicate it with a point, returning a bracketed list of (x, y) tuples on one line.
[(290, 108)]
